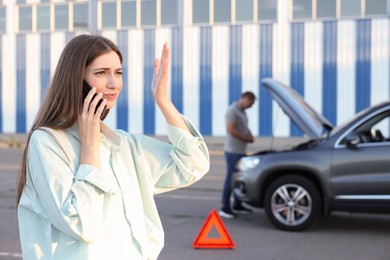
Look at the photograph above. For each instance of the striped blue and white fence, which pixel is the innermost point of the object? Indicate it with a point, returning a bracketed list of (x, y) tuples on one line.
[(340, 67)]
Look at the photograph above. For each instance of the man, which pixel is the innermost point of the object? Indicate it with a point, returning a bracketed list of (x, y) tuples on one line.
[(238, 135)]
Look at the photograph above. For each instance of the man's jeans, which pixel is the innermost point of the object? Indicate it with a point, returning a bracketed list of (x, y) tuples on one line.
[(231, 161)]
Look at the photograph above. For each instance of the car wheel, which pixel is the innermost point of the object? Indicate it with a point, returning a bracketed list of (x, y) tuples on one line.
[(292, 203)]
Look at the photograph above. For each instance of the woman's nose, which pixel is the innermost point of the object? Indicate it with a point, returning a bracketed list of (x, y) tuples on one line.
[(112, 81)]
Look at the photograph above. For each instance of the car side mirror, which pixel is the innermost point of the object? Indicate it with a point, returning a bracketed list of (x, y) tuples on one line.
[(352, 140)]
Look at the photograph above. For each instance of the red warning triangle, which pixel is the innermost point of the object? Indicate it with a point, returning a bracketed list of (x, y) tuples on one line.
[(203, 241)]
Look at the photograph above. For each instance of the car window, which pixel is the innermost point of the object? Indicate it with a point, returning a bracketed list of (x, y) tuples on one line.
[(383, 126), (376, 129)]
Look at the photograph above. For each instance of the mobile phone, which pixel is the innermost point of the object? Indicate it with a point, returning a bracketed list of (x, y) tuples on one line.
[(86, 89)]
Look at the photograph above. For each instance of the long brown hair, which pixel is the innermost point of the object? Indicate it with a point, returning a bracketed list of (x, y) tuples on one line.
[(62, 103)]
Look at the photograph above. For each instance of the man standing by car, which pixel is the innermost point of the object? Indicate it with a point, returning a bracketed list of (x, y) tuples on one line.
[(238, 135)]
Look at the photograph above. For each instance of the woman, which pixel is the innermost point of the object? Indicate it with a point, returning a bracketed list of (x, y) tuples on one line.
[(86, 191)]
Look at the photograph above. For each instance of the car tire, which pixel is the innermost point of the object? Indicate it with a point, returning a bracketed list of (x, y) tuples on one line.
[(287, 211)]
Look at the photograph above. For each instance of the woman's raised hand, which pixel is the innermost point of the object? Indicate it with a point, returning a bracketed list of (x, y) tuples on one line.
[(160, 77), (160, 91)]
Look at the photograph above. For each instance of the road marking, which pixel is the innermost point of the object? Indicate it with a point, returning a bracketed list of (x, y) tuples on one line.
[(14, 255)]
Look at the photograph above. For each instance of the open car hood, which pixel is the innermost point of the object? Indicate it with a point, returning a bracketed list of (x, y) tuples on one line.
[(302, 114)]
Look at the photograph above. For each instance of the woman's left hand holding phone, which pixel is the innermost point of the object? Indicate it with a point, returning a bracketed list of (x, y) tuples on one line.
[(89, 128)]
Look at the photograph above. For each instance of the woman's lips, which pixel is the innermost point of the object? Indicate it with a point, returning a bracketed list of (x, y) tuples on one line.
[(110, 96)]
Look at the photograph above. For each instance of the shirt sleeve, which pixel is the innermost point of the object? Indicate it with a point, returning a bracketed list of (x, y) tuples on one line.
[(75, 202), (231, 115), (178, 164)]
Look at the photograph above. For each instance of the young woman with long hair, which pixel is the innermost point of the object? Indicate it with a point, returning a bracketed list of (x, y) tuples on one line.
[(86, 191)]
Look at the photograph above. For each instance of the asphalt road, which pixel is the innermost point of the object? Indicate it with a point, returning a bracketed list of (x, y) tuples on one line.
[(183, 212)]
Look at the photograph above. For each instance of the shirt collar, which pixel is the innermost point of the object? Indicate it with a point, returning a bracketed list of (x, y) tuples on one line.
[(110, 134)]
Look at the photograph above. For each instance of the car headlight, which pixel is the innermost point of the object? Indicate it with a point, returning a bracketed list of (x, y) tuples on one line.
[(247, 163)]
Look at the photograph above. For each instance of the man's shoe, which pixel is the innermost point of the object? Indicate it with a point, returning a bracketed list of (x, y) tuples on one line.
[(226, 213), (241, 210)]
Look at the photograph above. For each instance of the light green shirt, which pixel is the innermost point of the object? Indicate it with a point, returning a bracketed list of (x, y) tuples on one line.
[(71, 211)]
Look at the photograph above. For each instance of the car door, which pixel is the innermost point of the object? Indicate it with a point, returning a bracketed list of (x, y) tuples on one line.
[(360, 172)]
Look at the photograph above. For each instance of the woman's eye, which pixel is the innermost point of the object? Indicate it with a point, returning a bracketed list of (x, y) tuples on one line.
[(119, 72), (100, 73)]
